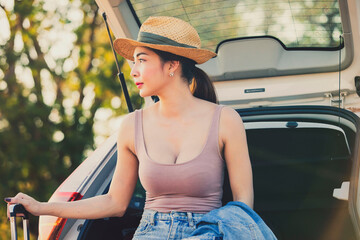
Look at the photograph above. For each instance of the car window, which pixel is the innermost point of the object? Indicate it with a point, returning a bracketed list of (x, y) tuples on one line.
[(296, 23)]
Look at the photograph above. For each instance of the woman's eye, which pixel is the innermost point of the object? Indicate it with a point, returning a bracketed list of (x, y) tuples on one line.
[(140, 60)]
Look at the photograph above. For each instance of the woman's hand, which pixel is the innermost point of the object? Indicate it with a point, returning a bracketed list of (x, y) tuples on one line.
[(116, 200), (29, 203)]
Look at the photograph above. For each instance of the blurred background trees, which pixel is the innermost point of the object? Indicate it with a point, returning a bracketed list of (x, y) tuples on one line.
[(59, 94)]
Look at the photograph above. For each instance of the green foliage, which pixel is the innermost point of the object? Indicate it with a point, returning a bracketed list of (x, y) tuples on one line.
[(49, 94)]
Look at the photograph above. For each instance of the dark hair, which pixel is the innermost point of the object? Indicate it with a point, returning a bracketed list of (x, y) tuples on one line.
[(201, 85)]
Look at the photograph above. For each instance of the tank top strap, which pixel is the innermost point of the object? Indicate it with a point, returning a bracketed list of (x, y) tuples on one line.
[(213, 138), (139, 136)]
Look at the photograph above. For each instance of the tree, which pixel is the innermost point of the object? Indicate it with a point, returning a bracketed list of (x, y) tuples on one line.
[(56, 72)]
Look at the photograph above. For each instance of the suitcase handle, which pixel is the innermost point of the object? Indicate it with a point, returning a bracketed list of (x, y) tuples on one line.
[(19, 210)]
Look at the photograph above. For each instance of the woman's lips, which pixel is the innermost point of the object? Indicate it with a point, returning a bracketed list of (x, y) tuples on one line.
[(139, 84)]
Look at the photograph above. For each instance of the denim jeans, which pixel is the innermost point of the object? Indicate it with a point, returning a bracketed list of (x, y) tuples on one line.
[(166, 226), (235, 220)]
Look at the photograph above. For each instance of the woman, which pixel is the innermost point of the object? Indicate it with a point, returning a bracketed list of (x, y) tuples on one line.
[(178, 146)]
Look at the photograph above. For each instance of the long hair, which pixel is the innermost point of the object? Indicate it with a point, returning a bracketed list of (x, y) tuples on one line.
[(200, 83)]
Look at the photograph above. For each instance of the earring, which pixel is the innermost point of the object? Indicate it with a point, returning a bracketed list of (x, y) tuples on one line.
[(171, 74)]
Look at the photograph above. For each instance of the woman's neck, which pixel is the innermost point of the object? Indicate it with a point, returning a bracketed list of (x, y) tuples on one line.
[(176, 103)]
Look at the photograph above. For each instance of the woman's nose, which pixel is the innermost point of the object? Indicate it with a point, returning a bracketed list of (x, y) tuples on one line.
[(134, 72)]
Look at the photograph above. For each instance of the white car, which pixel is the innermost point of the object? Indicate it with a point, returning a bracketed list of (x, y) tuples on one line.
[(292, 71)]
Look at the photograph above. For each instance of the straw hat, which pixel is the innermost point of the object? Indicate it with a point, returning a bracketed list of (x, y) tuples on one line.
[(167, 34)]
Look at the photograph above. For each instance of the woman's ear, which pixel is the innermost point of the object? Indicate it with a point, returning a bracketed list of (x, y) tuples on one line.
[(174, 65)]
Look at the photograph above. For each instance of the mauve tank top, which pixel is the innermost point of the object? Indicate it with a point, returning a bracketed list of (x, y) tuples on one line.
[(193, 186)]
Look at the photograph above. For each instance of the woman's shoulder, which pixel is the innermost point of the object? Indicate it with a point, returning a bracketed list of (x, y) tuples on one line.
[(127, 121), (229, 113), (230, 121), (126, 129)]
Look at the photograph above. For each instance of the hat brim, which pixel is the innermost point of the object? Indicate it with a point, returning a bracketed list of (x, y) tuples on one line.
[(126, 47)]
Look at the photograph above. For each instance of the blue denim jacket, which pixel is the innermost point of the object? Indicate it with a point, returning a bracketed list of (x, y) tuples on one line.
[(235, 220)]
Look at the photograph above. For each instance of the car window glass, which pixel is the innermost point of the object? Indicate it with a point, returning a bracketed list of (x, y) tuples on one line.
[(297, 23)]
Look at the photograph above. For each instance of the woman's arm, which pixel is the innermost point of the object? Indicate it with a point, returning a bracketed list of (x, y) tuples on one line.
[(114, 203), (235, 150)]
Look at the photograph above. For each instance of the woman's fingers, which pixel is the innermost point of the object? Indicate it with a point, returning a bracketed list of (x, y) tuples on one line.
[(13, 200), (28, 202)]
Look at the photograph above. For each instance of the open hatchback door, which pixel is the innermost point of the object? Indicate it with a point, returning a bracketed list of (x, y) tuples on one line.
[(292, 71)]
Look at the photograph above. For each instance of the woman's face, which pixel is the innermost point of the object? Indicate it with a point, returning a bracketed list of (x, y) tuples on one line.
[(148, 72)]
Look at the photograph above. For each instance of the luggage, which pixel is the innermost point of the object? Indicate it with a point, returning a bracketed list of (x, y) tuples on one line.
[(19, 210)]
